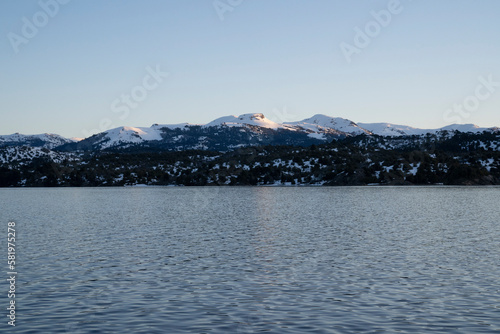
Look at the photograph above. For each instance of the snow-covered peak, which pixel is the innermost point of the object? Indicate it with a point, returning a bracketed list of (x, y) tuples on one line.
[(322, 123), (19, 137), (389, 129), (47, 140), (128, 134), (463, 128), (134, 135), (318, 126), (245, 119)]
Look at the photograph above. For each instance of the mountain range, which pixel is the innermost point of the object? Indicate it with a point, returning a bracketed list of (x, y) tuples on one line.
[(226, 133), (253, 150)]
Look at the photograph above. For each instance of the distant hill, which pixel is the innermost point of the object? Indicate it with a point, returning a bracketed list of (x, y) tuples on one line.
[(227, 133)]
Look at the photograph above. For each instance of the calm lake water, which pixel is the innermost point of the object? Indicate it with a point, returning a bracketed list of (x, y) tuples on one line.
[(251, 260)]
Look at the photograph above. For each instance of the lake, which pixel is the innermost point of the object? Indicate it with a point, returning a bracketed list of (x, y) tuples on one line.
[(254, 259)]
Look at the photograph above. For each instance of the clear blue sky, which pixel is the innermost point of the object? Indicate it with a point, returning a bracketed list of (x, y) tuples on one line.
[(282, 58)]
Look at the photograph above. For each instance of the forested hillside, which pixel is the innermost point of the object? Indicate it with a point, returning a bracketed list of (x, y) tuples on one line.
[(450, 159)]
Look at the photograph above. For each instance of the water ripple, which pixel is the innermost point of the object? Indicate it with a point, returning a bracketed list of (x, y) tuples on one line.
[(248, 260)]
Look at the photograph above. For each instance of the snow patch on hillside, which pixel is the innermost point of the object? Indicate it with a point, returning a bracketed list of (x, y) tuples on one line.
[(25, 154)]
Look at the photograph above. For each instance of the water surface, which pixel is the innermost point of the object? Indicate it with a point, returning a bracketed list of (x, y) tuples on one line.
[(256, 259)]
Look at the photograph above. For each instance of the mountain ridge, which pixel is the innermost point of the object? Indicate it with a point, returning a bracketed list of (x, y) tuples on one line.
[(252, 128)]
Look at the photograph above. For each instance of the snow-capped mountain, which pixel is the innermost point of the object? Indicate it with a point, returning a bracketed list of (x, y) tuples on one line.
[(245, 120), (325, 124), (465, 128), (228, 132), (128, 135), (45, 140), (388, 129), (232, 131), (395, 130)]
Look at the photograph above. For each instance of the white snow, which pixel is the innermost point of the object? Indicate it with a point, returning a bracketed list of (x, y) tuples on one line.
[(127, 134), (324, 124), (414, 169), (389, 129), (49, 140), (320, 136), (488, 164), (245, 119), (464, 128), (317, 127), (21, 154)]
